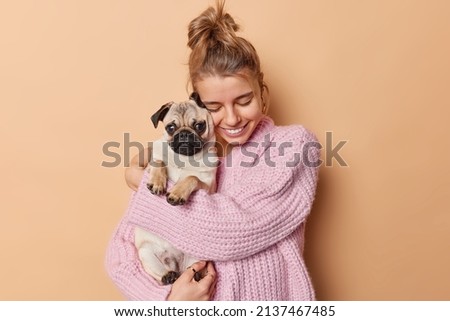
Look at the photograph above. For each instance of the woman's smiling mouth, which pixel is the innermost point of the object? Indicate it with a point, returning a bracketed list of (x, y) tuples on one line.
[(234, 132)]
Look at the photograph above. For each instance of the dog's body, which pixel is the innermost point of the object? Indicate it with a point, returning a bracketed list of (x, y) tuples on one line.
[(186, 156)]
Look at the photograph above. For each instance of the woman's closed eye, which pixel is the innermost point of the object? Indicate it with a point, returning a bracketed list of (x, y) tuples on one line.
[(245, 99), (245, 103), (213, 107)]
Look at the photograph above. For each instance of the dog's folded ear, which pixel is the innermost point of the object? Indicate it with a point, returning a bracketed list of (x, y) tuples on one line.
[(196, 97), (161, 113)]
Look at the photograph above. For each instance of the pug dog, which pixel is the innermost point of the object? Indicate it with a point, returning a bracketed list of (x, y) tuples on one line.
[(186, 156)]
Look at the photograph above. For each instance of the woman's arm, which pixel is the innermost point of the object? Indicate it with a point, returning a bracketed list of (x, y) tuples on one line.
[(125, 269), (254, 215), (134, 173)]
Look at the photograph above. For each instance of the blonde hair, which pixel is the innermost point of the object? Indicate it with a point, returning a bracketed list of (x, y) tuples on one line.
[(217, 50)]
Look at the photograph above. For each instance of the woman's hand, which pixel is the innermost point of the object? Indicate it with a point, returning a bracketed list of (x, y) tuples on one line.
[(134, 173), (186, 288)]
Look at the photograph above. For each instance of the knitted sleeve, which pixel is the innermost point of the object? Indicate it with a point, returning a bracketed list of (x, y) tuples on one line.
[(266, 205), (124, 268)]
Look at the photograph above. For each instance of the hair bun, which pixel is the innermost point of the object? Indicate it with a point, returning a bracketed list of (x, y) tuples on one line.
[(217, 50), (212, 26)]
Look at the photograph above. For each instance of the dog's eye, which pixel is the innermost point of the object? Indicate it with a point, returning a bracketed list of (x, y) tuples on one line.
[(200, 127), (170, 129)]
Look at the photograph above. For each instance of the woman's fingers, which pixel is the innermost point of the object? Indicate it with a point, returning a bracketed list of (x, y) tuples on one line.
[(212, 290), (211, 279), (190, 272), (187, 288), (209, 275), (210, 271)]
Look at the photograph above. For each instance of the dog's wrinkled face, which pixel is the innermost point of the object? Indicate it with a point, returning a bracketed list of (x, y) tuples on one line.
[(188, 127)]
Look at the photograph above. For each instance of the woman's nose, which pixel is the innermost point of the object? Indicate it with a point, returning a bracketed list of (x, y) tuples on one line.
[(231, 116)]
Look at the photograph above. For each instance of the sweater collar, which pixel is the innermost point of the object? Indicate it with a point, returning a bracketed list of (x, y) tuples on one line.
[(264, 127)]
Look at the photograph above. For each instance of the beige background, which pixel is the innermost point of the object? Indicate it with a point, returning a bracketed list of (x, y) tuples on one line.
[(75, 75)]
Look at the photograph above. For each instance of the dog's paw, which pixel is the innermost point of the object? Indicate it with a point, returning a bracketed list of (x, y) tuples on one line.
[(198, 275), (173, 199), (156, 189), (170, 277)]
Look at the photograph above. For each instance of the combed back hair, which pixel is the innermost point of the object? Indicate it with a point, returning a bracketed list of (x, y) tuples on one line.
[(217, 50)]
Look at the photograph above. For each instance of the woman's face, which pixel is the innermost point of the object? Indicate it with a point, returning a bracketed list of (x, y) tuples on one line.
[(234, 104)]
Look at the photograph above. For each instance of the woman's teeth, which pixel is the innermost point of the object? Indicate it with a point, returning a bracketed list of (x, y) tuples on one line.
[(234, 131)]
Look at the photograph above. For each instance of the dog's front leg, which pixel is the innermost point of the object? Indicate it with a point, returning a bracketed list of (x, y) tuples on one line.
[(157, 177), (181, 191)]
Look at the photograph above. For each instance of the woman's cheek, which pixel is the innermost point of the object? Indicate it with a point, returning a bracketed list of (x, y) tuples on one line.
[(216, 118)]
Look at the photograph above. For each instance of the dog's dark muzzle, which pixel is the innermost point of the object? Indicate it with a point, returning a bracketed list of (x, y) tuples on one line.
[(186, 143)]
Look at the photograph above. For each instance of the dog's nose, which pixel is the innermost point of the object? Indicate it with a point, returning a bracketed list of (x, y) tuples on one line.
[(186, 143), (184, 136)]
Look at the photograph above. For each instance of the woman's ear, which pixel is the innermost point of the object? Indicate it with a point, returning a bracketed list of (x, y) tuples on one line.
[(265, 99)]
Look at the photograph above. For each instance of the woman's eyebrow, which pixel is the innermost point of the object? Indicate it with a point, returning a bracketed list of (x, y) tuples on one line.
[(250, 93)]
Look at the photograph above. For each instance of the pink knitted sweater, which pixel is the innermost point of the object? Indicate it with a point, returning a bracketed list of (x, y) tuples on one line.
[(252, 227)]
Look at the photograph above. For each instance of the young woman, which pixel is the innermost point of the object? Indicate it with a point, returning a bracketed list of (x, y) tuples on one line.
[(250, 232)]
